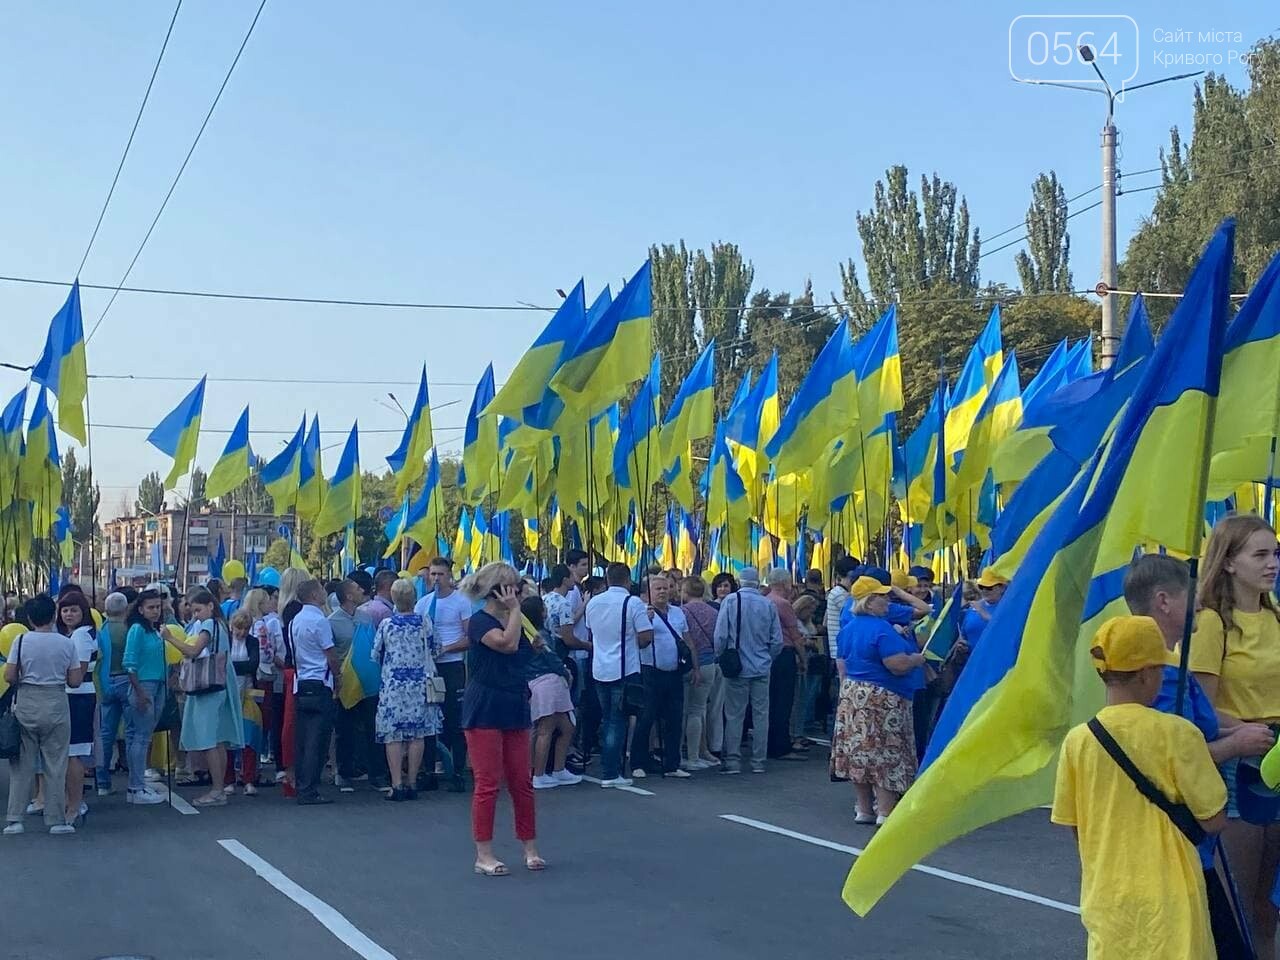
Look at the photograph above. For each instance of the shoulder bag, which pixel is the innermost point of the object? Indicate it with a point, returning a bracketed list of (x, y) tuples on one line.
[(684, 655), (436, 690), (205, 674), (730, 660), (10, 729), (633, 695), (1179, 813)]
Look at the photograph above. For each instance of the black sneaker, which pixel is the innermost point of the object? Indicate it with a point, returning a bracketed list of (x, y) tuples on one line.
[(316, 801)]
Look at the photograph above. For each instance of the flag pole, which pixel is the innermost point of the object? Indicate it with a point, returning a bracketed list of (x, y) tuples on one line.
[(93, 514)]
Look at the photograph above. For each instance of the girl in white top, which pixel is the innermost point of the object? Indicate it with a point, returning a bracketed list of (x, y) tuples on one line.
[(76, 621)]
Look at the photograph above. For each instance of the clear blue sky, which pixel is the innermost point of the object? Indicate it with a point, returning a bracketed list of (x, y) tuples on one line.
[(489, 154)]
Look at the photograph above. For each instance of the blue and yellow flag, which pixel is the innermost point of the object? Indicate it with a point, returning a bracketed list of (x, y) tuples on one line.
[(749, 425), (409, 459), (636, 458), (62, 368), (612, 353), (178, 433), (236, 463), (1137, 343), (461, 555), (985, 359), (40, 472), (361, 674), (824, 406), (879, 370), (11, 445), (421, 518), (691, 416), (342, 500), (311, 485), (479, 443), (281, 473), (992, 754), (998, 417), (528, 382), (920, 454), (62, 535), (726, 497), (687, 544)]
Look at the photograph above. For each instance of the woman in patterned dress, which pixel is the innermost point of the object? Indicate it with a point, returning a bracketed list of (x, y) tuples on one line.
[(873, 745), (405, 647)]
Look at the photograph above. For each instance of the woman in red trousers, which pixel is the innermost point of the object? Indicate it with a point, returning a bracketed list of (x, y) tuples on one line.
[(495, 713)]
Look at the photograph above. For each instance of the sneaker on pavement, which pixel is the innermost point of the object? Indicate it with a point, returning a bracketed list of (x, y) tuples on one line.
[(679, 774), (757, 768), (864, 818), (544, 782), (343, 785), (152, 775), (564, 776), (13, 829), (880, 821), (638, 774), (144, 796), (34, 809), (616, 782), (730, 768), (709, 762), (280, 775), (104, 791), (61, 829)]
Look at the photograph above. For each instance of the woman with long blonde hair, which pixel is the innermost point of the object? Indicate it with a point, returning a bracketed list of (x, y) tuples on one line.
[(289, 606), (1235, 654)]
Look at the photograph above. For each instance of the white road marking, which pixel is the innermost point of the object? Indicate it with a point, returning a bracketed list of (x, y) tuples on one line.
[(178, 802), (919, 867), (636, 790), (329, 918)]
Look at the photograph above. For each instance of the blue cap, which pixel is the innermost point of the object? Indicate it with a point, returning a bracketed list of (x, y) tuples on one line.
[(921, 573), (878, 573)]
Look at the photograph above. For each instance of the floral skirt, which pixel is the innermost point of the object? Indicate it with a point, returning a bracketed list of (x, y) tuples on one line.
[(874, 739)]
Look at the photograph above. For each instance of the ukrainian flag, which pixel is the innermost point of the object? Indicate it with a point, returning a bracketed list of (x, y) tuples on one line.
[(61, 366), (691, 416), (752, 421), (920, 452), (178, 433), (251, 719), (879, 369), (479, 442), (236, 463), (480, 553), (11, 445), (1137, 343), (311, 486), (823, 407), (408, 460), (1248, 418), (423, 522), (62, 535), (342, 501), (361, 675), (527, 384), (687, 544), (1080, 360), (726, 497), (40, 470), (462, 541), (281, 474), (985, 359), (636, 459), (992, 754), (612, 352), (999, 416)]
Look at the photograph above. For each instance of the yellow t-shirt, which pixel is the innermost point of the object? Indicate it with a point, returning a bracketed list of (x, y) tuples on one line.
[(1141, 885), (1246, 662)]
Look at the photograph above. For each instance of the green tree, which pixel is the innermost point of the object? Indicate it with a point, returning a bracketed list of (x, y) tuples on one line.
[(150, 494), (1227, 168), (674, 311), (277, 554), (721, 284), (198, 480), (795, 327), (250, 497), (81, 496), (1046, 269)]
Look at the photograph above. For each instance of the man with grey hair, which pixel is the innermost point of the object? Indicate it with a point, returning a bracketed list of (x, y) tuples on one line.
[(113, 682), (749, 624)]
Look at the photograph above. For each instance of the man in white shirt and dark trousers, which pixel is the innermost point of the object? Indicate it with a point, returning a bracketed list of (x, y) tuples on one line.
[(450, 615), (317, 665), (749, 623), (619, 628), (663, 684)]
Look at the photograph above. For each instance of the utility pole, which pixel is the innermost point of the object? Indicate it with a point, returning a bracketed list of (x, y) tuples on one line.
[(1110, 333)]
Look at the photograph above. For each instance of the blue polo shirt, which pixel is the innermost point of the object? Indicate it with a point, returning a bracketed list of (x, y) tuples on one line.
[(899, 614), (973, 624), (864, 642)]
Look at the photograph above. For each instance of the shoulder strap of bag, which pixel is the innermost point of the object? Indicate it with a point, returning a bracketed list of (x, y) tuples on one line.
[(737, 619), (1179, 813), (17, 683), (671, 630), (622, 652)]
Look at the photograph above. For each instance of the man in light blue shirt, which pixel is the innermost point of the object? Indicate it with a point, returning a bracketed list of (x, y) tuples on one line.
[(748, 622)]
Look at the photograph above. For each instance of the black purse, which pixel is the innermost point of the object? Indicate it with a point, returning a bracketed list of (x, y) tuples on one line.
[(170, 716), (633, 695), (10, 729), (730, 660)]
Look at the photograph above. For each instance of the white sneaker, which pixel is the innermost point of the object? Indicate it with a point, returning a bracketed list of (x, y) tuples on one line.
[(145, 796), (544, 782), (280, 775), (104, 791), (616, 782), (693, 765), (152, 775), (564, 776), (13, 829), (638, 774), (62, 828), (679, 774), (34, 809), (709, 762), (880, 821)]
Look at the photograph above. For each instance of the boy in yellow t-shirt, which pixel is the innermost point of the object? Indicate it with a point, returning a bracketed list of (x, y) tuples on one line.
[(1141, 887)]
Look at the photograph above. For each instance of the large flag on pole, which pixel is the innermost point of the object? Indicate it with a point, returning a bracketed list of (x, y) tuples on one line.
[(342, 500), (533, 371), (235, 464), (178, 433), (824, 406), (61, 366), (408, 459), (280, 474)]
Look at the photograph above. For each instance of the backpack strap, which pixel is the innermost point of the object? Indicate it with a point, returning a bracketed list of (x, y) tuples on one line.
[(1179, 813)]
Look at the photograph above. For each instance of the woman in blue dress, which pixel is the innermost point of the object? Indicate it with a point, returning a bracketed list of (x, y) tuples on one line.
[(405, 647), (211, 721)]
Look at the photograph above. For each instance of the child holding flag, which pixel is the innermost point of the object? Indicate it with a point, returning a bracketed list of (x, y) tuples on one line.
[(1140, 790)]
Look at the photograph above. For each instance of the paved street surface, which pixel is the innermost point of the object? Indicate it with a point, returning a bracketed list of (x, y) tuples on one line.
[(662, 873)]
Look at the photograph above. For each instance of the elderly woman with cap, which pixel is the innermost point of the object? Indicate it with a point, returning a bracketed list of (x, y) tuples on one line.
[(991, 586), (880, 669)]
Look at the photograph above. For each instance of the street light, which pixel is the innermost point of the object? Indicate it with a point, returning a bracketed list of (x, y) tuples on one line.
[(1110, 335)]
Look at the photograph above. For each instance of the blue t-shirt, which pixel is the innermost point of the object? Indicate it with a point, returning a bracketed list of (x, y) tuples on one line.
[(497, 692), (1196, 708), (898, 614), (974, 624), (864, 642)]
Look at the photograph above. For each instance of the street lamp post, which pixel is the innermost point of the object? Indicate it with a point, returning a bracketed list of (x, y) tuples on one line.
[(1110, 334)]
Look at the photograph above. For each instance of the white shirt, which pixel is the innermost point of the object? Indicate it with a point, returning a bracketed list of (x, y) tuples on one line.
[(450, 621), (86, 645), (44, 658), (311, 636), (604, 620), (580, 626), (662, 653)]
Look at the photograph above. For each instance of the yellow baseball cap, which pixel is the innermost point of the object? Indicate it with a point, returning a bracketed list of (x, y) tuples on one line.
[(902, 580), (1126, 644), (990, 578), (868, 586)]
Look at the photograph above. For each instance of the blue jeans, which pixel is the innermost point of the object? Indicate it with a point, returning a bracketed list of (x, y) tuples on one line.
[(138, 726), (613, 728), (111, 705)]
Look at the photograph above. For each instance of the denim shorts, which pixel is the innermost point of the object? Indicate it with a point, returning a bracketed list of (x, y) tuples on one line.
[(1228, 771)]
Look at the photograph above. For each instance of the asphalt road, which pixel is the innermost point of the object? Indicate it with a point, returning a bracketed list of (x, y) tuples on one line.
[(630, 876)]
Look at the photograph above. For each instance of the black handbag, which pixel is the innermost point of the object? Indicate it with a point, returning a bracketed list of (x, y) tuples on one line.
[(170, 716), (633, 695), (10, 729), (730, 660)]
